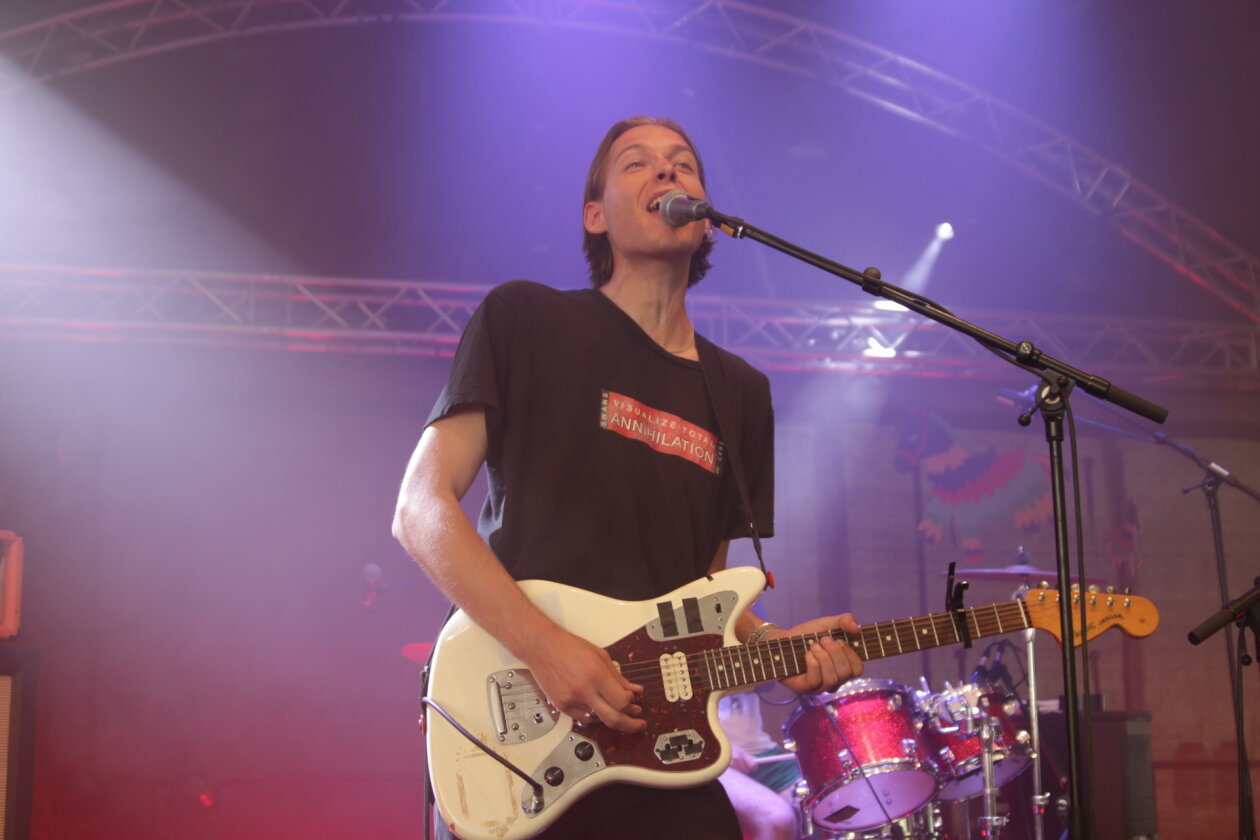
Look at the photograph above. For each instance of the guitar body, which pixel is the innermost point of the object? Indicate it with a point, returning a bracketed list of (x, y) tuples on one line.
[(484, 688)]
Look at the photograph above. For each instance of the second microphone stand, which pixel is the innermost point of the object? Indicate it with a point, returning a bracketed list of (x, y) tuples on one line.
[(1060, 378)]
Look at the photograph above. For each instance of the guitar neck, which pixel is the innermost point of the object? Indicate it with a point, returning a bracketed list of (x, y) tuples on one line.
[(776, 659)]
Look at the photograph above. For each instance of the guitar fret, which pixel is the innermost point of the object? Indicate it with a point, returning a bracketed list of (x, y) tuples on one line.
[(722, 669), (953, 636), (768, 659), (914, 634), (774, 651), (779, 660)]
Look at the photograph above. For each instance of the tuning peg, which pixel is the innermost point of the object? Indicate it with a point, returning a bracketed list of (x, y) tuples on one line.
[(1093, 588)]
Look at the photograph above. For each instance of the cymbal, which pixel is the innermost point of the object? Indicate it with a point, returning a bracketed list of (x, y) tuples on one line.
[(1018, 572)]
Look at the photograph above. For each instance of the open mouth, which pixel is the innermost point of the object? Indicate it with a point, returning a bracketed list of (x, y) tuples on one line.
[(655, 206)]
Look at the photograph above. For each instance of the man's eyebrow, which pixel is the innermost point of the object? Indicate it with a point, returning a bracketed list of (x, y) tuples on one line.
[(640, 147)]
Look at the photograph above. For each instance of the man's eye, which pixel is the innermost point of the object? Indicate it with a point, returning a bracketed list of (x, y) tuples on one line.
[(632, 164), (684, 165)]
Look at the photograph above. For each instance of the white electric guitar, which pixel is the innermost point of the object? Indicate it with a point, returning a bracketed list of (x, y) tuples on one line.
[(682, 649)]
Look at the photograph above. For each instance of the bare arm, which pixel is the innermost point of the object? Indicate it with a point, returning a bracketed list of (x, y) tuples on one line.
[(577, 676)]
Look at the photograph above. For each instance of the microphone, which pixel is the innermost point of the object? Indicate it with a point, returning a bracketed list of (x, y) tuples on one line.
[(980, 673), (997, 671), (678, 209), (1232, 611)]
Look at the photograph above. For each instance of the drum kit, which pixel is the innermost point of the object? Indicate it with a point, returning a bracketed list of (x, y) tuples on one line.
[(879, 760)]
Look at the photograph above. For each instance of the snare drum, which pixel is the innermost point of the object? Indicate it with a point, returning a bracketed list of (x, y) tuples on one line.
[(952, 732), (861, 756)]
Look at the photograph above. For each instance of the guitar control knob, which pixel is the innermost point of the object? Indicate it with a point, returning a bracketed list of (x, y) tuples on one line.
[(584, 751), (554, 776)]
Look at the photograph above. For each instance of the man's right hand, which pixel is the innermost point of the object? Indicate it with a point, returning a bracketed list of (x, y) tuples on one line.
[(581, 681)]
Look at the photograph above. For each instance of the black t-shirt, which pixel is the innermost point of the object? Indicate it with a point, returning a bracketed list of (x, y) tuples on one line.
[(605, 467)]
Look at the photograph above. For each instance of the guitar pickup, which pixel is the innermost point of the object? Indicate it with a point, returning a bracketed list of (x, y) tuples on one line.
[(518, 708)]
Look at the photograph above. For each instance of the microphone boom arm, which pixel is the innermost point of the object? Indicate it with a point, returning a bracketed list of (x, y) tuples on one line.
[(1023, 354)]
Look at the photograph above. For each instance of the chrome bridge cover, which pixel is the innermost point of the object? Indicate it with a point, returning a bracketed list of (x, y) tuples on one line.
[(519, 710)]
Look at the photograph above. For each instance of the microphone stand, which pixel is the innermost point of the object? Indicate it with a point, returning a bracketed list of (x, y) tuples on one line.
[(1245, 612), (1060, 378)]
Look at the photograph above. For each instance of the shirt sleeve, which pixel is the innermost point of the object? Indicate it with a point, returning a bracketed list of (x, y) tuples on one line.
[(481, 362)]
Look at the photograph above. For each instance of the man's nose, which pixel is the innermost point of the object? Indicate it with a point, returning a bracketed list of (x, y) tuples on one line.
[(665, 171)]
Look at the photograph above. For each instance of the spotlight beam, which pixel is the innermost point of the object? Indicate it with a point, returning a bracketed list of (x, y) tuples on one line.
[(120, 30)]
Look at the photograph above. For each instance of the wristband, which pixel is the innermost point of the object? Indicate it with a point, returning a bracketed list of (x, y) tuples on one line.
[(761, 632)]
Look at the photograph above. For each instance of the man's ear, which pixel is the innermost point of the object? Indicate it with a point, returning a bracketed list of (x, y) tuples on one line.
[(593, 217)]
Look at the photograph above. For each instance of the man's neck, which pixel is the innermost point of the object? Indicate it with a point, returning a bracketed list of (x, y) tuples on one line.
[(656, 301)]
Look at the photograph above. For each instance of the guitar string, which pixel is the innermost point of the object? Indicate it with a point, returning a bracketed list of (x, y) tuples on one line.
[(733, 670), (904, 636)]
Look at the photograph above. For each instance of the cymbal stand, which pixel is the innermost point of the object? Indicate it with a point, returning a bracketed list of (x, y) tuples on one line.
[(991, 824), (1039, 796)]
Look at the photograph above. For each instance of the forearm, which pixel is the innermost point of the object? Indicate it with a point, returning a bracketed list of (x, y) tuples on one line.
[(438, 535)]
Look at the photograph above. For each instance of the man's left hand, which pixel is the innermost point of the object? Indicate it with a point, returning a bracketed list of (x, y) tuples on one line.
[(830, 662)]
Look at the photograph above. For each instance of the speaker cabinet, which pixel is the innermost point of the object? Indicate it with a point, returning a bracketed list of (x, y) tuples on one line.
[(17, 741), (1122, 777)]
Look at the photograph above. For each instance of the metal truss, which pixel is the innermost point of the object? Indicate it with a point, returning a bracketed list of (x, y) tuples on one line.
[(119, 30), (322, 314)]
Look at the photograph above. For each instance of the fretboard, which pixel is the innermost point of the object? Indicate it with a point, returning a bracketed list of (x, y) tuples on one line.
[(776, 659)]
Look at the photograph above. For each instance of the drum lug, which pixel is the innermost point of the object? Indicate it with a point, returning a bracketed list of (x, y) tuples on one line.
[(910, 747)]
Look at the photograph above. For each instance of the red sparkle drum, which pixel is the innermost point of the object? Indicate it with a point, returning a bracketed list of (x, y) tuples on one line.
[(952, 731), (860, 754), (924, 824)]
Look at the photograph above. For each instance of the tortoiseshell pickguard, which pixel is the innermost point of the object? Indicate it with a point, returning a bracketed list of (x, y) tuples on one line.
[(662, 716)]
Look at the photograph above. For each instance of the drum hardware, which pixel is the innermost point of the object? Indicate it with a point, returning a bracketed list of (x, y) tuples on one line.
[(801, 792), (991, 824)]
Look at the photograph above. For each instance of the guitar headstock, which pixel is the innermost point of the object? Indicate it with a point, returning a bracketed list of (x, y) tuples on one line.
[(1103, 610)]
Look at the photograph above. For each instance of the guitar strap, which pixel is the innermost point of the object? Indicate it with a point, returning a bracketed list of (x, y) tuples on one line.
[(724, 402)]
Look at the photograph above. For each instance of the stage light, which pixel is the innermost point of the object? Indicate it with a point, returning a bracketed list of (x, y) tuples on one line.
[(945, 231), (877, 350)]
